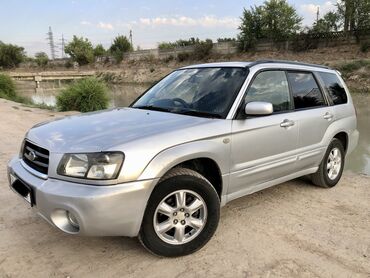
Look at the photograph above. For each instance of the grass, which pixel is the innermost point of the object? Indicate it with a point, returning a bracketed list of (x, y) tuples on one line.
[(350, 67)]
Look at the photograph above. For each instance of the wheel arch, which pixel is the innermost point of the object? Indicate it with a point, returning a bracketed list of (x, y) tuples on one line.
[(343, 138), (208, 158)]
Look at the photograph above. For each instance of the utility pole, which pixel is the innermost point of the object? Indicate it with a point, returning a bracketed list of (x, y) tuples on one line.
[(50, 38), (318, 13), (131, 39)]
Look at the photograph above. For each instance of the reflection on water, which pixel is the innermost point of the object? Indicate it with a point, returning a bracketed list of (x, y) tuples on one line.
[(359, 160), (120, 95), (123, 94)]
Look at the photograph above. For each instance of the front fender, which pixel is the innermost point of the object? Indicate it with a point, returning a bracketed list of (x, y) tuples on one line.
[(216, 149)]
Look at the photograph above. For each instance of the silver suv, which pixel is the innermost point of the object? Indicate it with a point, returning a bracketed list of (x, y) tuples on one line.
[(202, 136)]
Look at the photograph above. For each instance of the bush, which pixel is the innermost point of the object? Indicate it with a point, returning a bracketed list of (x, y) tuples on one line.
[(183, 56), (169, 58), (8, 91), (84, 95), (365, 46), (202, 49), (353, 66), (7, 87)]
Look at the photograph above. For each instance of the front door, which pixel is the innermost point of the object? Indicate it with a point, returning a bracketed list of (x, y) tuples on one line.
[(263, 148)]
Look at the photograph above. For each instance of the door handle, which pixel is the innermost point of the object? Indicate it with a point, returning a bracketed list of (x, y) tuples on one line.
[(328, 116), (287, 123)]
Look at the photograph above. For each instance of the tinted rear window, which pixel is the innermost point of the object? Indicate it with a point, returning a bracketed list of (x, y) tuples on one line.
[(306, 92), (336, 91)]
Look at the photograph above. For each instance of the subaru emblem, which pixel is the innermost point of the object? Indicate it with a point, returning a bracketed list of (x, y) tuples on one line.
[(32, 156)]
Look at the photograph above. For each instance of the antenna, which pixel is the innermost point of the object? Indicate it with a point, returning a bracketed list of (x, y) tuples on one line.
[(50, 38)]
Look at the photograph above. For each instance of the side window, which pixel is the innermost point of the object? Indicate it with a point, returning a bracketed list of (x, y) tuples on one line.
[(306, 92), (270, 86), (336, 91)]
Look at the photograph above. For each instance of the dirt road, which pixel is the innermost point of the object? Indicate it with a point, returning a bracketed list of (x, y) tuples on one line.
[(293, 229)]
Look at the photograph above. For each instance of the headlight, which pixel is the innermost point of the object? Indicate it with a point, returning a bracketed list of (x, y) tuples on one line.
[(95, 166)]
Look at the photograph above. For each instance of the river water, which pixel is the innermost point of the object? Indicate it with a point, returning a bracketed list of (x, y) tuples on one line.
[(123, 94)]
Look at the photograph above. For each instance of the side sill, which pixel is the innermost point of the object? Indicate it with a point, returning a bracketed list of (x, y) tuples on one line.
[(259, 187)]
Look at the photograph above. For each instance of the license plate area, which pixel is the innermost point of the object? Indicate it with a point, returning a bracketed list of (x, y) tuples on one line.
[(23, 189)]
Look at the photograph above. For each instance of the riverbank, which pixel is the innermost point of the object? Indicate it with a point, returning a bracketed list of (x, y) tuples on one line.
[(293, 229)]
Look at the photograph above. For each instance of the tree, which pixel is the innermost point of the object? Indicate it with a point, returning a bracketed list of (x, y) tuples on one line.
[(41, 59), (120, 46), (250, 28), (274, 20), (11, 55), (354, 14), (329, 23), (99, 51), (80, 50), (280, 19)]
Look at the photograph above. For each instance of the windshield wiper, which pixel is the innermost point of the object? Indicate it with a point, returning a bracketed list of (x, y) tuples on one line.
[(154, 108), (200, 114)]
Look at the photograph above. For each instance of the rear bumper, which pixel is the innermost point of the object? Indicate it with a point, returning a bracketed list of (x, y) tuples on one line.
[(114, 210)]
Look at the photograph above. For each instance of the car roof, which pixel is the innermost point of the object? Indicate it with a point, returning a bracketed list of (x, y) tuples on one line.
[(281, 63)]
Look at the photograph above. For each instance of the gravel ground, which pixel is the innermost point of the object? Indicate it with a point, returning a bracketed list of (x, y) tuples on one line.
[(293, 229)]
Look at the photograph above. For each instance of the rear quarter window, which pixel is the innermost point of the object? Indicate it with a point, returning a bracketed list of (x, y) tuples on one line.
[(336, 91)]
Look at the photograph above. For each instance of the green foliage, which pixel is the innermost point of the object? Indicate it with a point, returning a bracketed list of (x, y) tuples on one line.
[(166, 46), (120, 46), (275, 20), (8, 90), (11, 55), (349, 68), (329, 23), (354, 14), (202, 49), (7, 87), (99, 51), (169, 58), (178, 43), (84, 95), (365, 46), (80, 50), (226, 40), (250, 28), (183, 56), (42, 59)]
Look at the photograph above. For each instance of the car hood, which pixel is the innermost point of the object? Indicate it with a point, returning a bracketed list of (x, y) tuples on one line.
[(111, 129)]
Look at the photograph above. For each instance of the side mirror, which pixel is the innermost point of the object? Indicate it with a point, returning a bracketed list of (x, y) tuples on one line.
[(258, 108)]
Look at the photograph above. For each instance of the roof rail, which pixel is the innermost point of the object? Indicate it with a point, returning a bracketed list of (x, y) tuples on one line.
[(258, 62)]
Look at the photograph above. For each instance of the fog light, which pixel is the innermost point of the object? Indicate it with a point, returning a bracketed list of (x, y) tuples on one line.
[(72, 220)]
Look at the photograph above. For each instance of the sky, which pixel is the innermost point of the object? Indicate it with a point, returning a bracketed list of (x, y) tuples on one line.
[(26, 22)]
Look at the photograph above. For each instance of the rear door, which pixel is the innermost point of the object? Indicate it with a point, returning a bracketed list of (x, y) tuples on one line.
[(314, 116)]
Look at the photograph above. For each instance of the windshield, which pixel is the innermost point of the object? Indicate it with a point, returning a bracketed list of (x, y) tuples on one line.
[(207, 92)]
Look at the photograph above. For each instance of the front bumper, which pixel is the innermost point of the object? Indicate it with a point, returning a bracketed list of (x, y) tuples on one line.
[(113, 210)]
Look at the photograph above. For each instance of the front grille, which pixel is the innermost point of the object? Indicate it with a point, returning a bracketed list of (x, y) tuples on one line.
[(36, 157)]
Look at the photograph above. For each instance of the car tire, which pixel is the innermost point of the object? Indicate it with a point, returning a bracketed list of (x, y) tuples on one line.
[(173, 205), (331, 166)]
